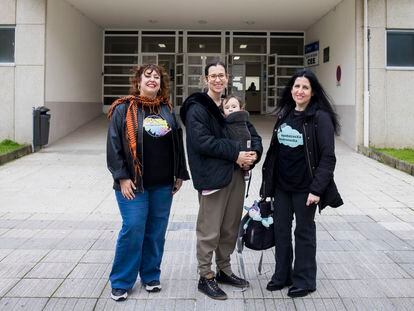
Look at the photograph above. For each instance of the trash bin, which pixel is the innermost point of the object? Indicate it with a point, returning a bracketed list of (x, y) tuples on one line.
[(41, 126)]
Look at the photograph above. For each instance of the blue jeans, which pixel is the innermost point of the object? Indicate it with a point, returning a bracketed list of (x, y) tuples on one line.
[(140, 243)]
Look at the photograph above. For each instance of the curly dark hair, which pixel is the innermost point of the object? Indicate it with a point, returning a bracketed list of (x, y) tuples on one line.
[(164, 91)]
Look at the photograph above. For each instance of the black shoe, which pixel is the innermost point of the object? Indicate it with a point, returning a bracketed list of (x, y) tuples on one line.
[(153, 287), (232, 279), (294, 292), (119, 294), (211, 288), (272, 286)]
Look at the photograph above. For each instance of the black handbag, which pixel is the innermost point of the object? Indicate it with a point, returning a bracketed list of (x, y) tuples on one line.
[(256, 231), (255, 234)]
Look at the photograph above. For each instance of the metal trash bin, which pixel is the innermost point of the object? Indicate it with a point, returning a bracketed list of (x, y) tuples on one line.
[(41, 126)]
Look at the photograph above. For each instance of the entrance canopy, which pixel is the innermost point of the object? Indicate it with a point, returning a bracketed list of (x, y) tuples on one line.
[(200, 14)]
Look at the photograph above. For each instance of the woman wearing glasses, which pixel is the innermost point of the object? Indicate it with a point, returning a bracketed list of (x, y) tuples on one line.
[(216, 162)]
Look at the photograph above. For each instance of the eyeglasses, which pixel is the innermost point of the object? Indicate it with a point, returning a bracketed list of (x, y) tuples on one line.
[(221, 76)]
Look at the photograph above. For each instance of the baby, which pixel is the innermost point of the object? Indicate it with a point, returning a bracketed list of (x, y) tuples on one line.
[(237, 129)]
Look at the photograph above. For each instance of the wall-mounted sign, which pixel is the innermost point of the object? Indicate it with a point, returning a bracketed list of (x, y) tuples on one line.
[(312, 54), (338, 75), (326, 54)]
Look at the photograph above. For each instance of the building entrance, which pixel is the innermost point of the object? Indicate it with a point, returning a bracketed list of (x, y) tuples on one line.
[(258, 63)]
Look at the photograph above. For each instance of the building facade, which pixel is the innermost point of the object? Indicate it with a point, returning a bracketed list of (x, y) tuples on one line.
[(59, 54)]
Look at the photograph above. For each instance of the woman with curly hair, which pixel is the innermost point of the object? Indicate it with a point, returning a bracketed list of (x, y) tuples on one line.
[(145, 155)]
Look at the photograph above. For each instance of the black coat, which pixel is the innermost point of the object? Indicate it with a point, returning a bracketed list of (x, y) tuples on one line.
[(211, 154), (118, 156), (319, 139)]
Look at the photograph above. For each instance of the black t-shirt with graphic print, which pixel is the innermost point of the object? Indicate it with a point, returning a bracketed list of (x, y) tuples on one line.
[(291, 170), (158, 160)]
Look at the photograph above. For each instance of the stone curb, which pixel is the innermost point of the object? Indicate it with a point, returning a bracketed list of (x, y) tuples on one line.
[(15, 154), (386, 159)]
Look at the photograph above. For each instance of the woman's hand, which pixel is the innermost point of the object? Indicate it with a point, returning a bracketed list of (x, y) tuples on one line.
[(246, 158), (312, 199), (177, 185), (127, 188)]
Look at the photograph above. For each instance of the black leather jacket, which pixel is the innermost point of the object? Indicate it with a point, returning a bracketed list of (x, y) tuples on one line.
[(118, 157), (319, 142)]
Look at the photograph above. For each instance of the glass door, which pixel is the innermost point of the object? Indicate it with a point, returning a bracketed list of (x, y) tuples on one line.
[(149, 58), (179, 78), (271, 85), (196, 62), (237, 80)]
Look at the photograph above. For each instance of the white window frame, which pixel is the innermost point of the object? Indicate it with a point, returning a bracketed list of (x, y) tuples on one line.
[(10, 64), (396, 68)]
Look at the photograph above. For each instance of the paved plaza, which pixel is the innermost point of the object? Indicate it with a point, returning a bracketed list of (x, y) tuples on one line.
[(59, 222)]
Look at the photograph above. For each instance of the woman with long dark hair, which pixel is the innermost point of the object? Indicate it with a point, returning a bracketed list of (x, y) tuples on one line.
[(145, 155), (298, 174)]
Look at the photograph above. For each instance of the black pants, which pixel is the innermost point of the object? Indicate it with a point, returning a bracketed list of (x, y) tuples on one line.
[(303, 275)]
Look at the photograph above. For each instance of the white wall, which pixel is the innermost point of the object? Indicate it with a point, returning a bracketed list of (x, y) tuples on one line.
[(337, 30), (30, 65), (391, 105), (21, 84), (7, 17), (73, 68)]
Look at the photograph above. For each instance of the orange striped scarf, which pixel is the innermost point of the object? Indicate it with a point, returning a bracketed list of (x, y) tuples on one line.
[(154, 106)]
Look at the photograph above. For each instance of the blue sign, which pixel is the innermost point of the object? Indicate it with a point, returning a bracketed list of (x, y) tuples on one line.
[(312, 54)]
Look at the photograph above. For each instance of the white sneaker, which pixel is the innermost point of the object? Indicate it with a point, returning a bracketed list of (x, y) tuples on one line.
[(153, 287), (119, 294)]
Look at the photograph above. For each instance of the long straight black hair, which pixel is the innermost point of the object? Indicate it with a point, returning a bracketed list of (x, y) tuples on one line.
[(319, 97)]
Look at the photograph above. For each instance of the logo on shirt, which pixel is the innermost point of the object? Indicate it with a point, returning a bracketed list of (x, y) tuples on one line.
[(288, 136), (156, 126)]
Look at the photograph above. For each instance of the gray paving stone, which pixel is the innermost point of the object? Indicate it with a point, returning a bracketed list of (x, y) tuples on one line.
[(4, 253), (14, 270), (403, 303), (64, 256), (102, 244), (25, 256), (409, 268), (34, 288), (401, 256), (358, 288), (397, 287), (39, 243), (11, 243), (90, 271), (70, 304), (6, 285), (98, 256), (75, 244), (81, 288), (19, 233), (205, 304), (8, 223), (46, 270), (22, 304), (33, 224), (347, 235), (369, 304), (128, 305)]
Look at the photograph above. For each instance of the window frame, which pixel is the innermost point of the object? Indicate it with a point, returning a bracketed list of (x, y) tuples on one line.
[(9, 64), (393, 67)]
